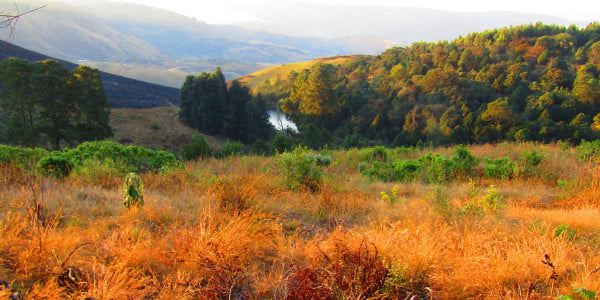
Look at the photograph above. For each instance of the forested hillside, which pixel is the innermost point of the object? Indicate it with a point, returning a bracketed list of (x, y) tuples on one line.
[(531, 82)]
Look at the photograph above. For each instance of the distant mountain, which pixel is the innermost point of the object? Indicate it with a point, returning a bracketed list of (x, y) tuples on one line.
[(400, 25), (120, 91)]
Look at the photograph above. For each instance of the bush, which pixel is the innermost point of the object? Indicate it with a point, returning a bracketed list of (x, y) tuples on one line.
[(588, 150), (282, 143), (197, 147), (501, 168), (531, 161), (259, 147), (133, 191), (21, 157), (123, 159), (231, 149), (299, 169), (464, 161), (377, 153), (57, 164)]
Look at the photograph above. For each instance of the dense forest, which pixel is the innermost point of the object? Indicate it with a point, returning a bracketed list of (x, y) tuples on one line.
[(532, 82)]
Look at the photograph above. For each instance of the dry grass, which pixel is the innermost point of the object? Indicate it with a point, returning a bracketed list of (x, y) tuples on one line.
[(228, 229)]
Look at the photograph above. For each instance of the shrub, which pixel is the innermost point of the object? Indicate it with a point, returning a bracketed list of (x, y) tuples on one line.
[(501, 168), (588, 150), (377, 153), (435, 168), (133, 191), (531, 161), (57, 164), (123, 159), (464, 161), (282, 143), (197, 147), (259, 147), (231, 149), (299, 168), (21, 157)]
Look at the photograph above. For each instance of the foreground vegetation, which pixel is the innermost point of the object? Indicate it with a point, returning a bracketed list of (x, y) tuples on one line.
[(495, 221)]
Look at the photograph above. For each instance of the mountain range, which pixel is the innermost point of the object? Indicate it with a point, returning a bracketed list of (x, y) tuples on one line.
[(162, 47)]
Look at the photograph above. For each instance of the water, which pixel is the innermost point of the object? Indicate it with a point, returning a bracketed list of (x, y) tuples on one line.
[(280, 121)]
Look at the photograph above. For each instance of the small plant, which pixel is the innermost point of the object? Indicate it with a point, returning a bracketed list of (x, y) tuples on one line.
[(133, 191), (582, 293), (531, 162), (377, 153), (57, 164), (492, 201), (501, 168), (197, 147), (464, 161), (565, 232), (299, 168)]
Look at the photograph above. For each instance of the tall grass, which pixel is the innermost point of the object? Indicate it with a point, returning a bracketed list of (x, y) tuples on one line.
[(230, 229)]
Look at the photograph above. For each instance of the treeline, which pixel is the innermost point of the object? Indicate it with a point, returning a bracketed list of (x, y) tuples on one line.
[(209, 105), (44, 104), (532, 82)]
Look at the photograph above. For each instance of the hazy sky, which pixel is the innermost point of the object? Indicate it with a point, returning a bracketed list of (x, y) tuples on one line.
[(224, 11)]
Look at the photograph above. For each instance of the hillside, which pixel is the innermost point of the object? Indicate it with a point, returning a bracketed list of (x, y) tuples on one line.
[(120, 91), (137, 40), (281, 72), (531, 82)]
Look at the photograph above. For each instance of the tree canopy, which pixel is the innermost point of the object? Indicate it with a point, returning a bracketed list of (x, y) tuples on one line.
[(531, 82), (208, 104), (45, 104)]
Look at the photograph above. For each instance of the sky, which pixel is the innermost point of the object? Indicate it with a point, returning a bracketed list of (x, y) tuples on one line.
[(224, 11)]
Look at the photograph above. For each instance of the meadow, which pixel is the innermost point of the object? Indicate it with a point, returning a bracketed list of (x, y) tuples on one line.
[(304, 225)]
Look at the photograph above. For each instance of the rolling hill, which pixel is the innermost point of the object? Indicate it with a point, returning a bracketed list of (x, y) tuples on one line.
[(120, 91)]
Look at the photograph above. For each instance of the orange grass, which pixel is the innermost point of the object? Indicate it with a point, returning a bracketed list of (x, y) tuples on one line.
[(228, 229)]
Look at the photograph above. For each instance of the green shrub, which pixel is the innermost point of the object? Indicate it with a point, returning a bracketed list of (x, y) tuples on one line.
[(21, 157), (231, 149), (323, 160), (464, 161), (123, 159), (259, 147), (501, 168), (492, 201), (588, 150), (57, 164), (133, 191), (299, 169), (196, 148), (435, 168), (531, 162), (565, 232), (377, 153), (282, 143)]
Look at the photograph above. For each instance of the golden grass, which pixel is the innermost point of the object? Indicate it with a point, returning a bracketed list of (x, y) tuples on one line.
[(229, 229)]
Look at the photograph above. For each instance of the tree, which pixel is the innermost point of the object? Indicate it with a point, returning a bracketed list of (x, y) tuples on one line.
[(207, 104), (44, 103)]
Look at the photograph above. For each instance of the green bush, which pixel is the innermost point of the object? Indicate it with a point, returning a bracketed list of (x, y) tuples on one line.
[(531, 162), (259, 147), (377, 153), (21, 157), (133, 191), (299, 169), (282, 143), (232, 149), (501, 168), (436, 169), (196, 148), (123, 159), (588, 150), (464, 161), (57, 164)]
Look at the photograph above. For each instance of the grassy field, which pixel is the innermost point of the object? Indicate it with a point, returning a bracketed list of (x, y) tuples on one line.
[(234, 229)]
